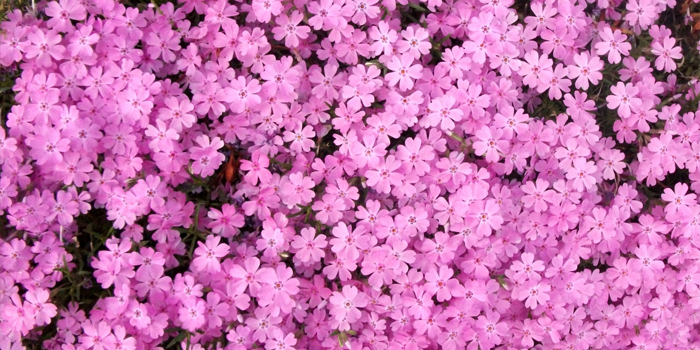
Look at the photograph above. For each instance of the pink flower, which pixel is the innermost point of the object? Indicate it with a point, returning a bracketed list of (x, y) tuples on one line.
[(121, 341), (225, 222), (280, 78), (613, 44), (474, 102), (538, 195), (97, 336), (348, 242), (528, 268), (586, 69), (300, 139), (207, 255), (624, 98), (666, 54), (280, 341), (442, 285), (416, 156), (383, 37), (264, 10), (556, 82), (289, 29), (279, 289), (625, 273), (611, 161), (678, 200), (256, 168), (47, 146), (309, 246), (63, 12), (44, 311), (415, 42), (380, 266), (581, 174), (368, 152), (489, 143), (385, 175), (247, 276), (192, 314), (163, 137), (642, 12), (442, 250), (490, 330), (44, 47), (327, 82), (272, 242), (485, 217), (206, 156), (329, 209), (347, 304), (443, 114), (138, 315), (403, 72)]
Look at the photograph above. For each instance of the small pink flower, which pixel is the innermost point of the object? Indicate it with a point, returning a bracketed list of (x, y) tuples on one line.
[(207, 255), (309, 246)]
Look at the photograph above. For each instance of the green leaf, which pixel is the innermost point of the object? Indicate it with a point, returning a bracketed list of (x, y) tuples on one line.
[(342, 338), (418, 8), (180, 337)]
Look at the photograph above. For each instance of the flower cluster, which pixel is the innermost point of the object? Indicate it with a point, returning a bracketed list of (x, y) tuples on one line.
[(362, 174)]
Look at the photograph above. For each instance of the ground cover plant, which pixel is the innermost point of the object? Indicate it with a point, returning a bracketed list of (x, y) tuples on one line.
[(349, 174)]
